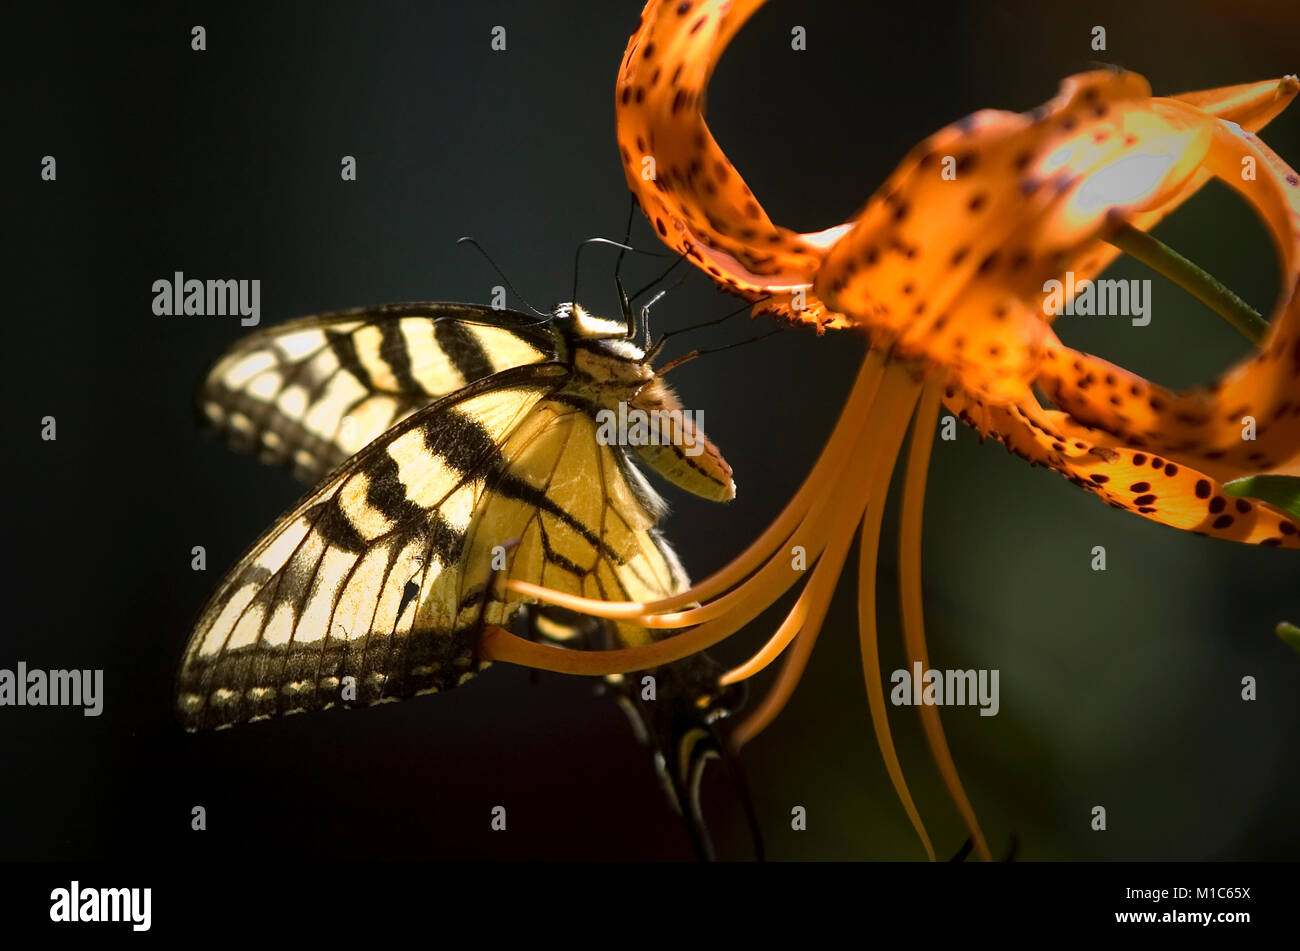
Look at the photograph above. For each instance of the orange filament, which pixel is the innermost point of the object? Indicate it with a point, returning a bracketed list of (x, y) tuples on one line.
[(867, 557), (909, 583), (883, 434), (879, 468)]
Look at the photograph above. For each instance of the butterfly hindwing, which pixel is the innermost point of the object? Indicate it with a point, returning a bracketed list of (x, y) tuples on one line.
[(578, 516), (310, 393)]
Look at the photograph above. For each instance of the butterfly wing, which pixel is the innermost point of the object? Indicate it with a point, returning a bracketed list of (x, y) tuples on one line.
[(575, 515), (382, 573), (354, 580), (310, 393)]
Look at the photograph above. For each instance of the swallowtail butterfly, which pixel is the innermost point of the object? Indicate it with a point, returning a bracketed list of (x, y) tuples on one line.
[(444, 437)]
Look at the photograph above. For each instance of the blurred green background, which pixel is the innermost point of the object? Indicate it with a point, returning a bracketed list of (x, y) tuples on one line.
[(1119, 689)]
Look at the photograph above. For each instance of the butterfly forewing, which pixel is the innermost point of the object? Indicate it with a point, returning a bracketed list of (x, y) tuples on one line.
[(311, 393)]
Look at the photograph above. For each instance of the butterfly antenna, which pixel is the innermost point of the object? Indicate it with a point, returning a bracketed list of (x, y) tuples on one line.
[(623, 249), (503, 277)]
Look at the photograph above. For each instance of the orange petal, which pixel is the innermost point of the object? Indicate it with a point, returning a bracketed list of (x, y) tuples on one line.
[(1251, 105), (950, 258), (1150, 485), (1209, 423), (694, 197)]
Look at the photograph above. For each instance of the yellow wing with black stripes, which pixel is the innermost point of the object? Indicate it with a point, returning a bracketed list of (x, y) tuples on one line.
[(376, 585), (310, 393)]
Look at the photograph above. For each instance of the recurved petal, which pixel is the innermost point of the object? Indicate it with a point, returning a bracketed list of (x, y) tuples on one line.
[(1247, 421), (950, 258), (1149, 484), (697, 201), (1251, 105)]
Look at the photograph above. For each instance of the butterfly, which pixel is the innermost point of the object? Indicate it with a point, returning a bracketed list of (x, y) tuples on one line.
[(452, 447)]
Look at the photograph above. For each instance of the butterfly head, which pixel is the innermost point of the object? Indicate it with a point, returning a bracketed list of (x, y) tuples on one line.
[(584, 324)]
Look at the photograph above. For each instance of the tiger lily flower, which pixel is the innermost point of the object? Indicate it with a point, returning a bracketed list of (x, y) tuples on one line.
[(944, 270)]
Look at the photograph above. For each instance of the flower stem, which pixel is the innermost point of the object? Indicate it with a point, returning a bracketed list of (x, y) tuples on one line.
[(1202, 285), (1290, 634)]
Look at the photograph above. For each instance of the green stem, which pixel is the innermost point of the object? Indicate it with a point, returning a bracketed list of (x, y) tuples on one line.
[(1202, 285), (1290, 634)]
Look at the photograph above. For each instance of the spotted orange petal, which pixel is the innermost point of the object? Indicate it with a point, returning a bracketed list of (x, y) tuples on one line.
[(697, 201), (950, 259), (1251, 105), (1155, 486), (1261, 393)]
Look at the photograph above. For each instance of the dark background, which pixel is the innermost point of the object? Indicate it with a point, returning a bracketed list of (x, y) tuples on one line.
[(1118, 688)]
